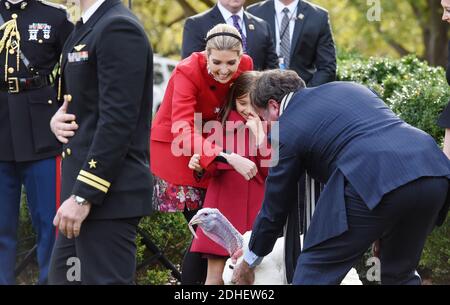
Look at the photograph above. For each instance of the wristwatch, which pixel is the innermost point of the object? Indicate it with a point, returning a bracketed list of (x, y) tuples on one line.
[(80, 200)]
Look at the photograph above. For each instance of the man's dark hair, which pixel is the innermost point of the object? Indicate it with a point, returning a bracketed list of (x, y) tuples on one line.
[(275, 84)]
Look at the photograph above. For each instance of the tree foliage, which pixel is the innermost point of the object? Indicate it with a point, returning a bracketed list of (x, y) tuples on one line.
[(407, 26)]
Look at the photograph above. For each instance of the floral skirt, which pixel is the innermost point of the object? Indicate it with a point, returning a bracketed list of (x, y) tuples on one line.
[(168, 197)]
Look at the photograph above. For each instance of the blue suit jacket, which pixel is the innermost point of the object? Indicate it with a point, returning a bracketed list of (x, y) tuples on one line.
[(341, 131)]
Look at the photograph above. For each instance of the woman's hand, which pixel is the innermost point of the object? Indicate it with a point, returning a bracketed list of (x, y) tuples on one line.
[(194, 163), (247, 168)]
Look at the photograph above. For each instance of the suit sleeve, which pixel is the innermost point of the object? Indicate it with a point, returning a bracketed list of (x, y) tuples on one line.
[(325, 57), (271, 57), (122, 55), (64, 30), (193, 39), (280, 193)]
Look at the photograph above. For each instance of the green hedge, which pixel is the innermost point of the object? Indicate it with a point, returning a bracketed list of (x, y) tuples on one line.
[(169, 231), (413, 90), (417, 93)]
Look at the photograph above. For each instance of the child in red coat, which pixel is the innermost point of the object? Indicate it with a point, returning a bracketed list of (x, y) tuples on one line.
[(238, 198)]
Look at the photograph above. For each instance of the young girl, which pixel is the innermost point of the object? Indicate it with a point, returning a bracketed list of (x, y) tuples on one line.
[(238, 198)]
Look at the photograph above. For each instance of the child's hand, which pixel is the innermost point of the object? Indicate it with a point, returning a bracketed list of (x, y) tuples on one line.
[(194, 163), (255, 125)]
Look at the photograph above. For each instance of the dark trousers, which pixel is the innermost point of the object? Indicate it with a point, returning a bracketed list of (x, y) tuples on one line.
[(402, 221), (194, 267), (103, 254), (39, 179)]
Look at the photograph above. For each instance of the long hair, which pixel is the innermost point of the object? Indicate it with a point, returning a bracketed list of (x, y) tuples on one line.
[(241, 86)]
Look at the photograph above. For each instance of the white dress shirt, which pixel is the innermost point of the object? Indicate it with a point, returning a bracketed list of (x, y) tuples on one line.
[(227, 17), (279, 16), (91, 10)]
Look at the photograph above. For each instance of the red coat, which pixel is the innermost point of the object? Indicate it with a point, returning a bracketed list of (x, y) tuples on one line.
[(190, 89), (237, 199)]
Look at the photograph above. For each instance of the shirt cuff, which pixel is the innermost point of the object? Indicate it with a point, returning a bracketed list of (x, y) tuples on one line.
[(251, 258)]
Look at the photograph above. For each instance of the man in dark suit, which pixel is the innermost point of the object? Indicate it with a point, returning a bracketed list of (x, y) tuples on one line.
[(33, 34), (384, 179), (257, 37), (104, 124), (304, 40)]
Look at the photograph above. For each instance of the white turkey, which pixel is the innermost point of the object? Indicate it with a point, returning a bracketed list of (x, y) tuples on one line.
[(271, 271)]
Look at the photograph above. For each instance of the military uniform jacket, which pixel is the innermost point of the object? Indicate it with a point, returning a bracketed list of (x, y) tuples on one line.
[(25, 116), (108, 69)]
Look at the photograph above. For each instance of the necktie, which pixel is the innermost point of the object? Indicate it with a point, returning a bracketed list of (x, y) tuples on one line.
[(285, 42), (236, 19)]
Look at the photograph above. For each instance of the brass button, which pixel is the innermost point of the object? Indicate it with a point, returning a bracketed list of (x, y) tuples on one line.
[(50, 102), (69, 97), (69, 151), (11, 52), (14, 16), (41, 41), (63, 155), (10, 70)]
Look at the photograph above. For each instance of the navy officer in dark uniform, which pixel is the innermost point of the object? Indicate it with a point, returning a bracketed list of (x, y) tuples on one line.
[(107, 72), (33, 33)]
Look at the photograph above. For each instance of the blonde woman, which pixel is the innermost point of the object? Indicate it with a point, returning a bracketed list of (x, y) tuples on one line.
[(199, 84)]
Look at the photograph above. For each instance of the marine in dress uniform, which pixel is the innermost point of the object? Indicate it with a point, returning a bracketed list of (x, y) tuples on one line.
[(32, 36), (107, 72)]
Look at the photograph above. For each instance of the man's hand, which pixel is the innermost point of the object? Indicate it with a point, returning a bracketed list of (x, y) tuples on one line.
[(70, 216), (247, 168), (236, 255), (243, 274), (63, 124), (376, 249)]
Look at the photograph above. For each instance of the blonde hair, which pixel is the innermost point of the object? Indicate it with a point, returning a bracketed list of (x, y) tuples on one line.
[(224, 42)]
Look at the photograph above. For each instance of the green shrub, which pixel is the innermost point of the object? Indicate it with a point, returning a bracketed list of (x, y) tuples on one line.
[(417, 93), (26, 241), (169, 231)]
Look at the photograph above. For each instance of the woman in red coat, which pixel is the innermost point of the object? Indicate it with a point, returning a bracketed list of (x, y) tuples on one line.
[(237, 198), (198, 85)]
